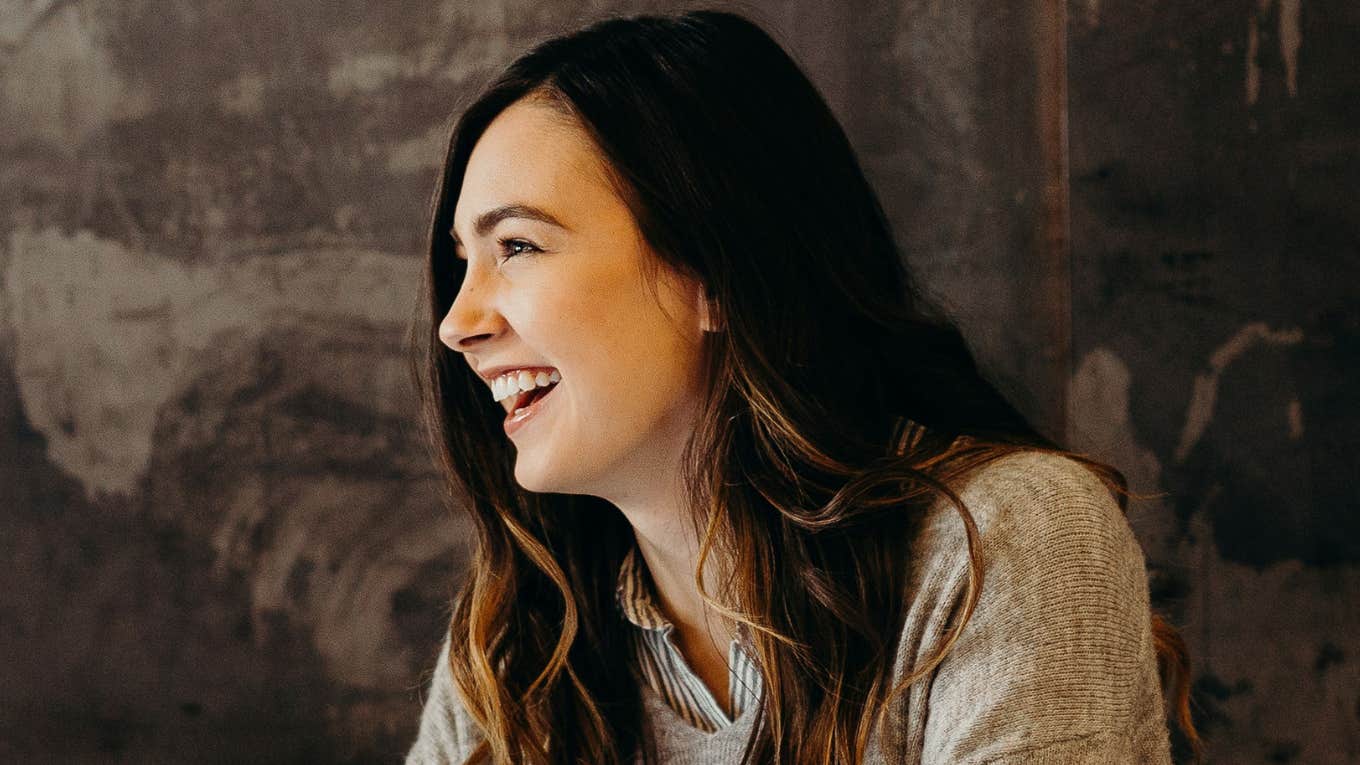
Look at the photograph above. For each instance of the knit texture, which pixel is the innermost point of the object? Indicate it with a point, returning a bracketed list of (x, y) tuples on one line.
[(1056, 666)]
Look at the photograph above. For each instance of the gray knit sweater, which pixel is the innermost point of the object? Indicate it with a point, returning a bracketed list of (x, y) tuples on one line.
[(1055, 667)]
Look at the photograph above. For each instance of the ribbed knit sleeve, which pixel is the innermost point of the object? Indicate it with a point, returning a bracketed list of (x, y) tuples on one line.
[(1056, 665), (445, 735)]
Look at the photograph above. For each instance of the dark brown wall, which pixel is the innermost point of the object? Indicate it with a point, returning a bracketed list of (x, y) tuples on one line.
[(221, 539), (1215, 158)]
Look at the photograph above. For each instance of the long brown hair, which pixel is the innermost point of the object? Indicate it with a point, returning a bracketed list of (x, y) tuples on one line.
[(839, 404)]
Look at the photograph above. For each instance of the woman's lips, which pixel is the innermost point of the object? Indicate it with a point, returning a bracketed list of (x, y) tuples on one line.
[(513, 421)]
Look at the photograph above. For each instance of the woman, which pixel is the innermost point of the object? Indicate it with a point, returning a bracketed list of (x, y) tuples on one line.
[(740, 493)]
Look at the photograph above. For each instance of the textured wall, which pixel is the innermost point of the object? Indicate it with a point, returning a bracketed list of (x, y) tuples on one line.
[(221, 538), (1215, 158)]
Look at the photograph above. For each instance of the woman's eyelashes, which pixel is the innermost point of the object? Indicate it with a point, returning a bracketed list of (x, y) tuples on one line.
[(508, 247)]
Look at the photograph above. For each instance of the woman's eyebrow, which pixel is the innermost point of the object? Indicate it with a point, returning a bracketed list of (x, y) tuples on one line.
[(488, 220)]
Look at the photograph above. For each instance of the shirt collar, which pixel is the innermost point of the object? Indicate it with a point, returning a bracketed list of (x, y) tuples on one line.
[(636, 599)]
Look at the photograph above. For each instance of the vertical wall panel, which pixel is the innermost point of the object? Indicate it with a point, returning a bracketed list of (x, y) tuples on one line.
[(1216, 241)]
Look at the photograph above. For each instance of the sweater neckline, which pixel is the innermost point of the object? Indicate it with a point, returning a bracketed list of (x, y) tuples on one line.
[(679, 726)]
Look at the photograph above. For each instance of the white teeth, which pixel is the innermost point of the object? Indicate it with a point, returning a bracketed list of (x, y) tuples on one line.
[(514, 383)]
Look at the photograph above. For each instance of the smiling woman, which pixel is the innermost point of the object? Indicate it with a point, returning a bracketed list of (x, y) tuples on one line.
[(765, 508), (553, 256)]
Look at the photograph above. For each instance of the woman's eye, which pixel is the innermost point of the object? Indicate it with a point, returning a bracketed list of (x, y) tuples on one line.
[(513, 247)]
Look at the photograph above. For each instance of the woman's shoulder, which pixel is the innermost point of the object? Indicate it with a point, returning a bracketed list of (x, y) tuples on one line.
[(1028, 497), (1044, 521), (1062, 615)]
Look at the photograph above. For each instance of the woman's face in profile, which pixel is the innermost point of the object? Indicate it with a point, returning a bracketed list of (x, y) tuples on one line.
[(569, 293)]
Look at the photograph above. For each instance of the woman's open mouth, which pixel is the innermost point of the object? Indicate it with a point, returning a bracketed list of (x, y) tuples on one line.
[(528, 404)]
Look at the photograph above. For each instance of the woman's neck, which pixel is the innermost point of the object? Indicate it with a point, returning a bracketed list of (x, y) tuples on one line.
[(670, 547), (671, 562)]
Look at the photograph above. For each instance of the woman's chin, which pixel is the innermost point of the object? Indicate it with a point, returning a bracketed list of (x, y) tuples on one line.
[(532, 477)]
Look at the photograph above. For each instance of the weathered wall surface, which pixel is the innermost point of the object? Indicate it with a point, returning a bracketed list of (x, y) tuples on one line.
[(221, 537), (1215, 158)]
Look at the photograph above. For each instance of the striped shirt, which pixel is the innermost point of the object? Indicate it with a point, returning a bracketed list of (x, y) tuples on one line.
[(662, 664)]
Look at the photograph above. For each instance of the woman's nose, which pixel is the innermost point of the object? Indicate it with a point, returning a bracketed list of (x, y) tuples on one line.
[(469, 319)]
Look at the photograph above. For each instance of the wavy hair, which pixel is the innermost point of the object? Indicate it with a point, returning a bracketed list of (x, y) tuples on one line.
[(806, 478)]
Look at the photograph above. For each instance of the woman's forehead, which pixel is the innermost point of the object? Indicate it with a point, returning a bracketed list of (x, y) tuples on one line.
[(532, 143), (531, 155)]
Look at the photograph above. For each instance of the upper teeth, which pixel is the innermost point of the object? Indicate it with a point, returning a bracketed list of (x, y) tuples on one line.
[(512, 383)]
